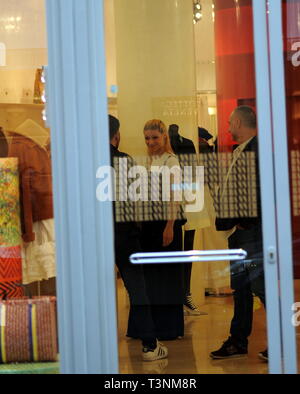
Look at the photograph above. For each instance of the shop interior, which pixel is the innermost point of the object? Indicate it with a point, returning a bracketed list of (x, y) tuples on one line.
[(166, 66)]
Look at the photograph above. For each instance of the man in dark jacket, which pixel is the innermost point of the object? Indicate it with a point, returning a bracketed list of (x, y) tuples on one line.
[(126, 243), (244, 227), (180, 145)]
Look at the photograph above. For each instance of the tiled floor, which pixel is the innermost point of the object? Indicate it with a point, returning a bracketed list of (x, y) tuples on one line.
[(202, 335)]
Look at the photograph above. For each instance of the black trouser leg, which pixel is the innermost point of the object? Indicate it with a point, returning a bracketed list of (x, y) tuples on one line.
[(189, 237), (241, 324), (140, 320), (140, 316), (246, 280)]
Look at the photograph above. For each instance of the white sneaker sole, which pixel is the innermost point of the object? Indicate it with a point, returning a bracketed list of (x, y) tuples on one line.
[(190, 312), (162, 353)]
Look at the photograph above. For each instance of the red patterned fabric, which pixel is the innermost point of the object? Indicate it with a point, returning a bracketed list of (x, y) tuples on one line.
[(10, 272)]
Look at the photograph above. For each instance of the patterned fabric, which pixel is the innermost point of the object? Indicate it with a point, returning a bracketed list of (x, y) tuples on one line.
[(145, 195), (10, 272), (28, 330), (9, 203), (51, 368), (10, 231)]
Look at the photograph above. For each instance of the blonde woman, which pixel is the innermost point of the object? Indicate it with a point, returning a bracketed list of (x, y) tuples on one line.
[(164, 282)]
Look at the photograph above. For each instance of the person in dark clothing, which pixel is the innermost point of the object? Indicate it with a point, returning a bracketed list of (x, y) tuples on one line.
[(127, 242), (162, 232), (203, 137), (244, 231), (183, 146), (205, 134), (3, 144), (180, 145)]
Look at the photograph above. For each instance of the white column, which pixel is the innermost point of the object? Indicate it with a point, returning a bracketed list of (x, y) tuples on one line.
[(155, 67), (156, 75)]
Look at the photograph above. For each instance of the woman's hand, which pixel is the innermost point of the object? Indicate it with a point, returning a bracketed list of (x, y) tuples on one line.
[(168, 234)]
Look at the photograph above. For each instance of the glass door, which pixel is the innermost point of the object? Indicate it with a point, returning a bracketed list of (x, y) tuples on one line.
[(190, 103)]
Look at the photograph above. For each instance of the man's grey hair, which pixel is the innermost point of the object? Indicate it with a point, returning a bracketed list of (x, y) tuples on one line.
[(247, 116)]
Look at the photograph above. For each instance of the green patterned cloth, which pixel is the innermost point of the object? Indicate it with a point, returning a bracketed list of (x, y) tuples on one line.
[(10, 235), (30, 369)]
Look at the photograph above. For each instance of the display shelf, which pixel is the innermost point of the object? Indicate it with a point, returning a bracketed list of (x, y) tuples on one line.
[(13, 115), (25, 105)]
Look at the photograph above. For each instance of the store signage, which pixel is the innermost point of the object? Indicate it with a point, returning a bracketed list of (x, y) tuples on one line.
[(296, 56), (2, 54)]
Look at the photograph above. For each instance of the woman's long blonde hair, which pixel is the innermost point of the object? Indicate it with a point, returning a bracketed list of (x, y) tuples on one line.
[(156, 124)]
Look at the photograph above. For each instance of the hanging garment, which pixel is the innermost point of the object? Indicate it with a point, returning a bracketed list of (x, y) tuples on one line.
[(36, 208), (39, 261)]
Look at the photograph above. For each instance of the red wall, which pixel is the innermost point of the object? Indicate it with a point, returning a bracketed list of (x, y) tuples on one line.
[(234, 61), (235, 72)]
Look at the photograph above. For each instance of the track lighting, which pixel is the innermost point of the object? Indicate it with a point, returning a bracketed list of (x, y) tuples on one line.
[(197, 11)]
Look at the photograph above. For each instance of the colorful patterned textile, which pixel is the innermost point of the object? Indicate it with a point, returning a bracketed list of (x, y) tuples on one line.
[(28, 330), (10, 272), (51, 368), (10, 234), (10, 230)]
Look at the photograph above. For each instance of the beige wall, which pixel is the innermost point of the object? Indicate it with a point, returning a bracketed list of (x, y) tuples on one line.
[(155, 67), (110, 46), (23, 32)]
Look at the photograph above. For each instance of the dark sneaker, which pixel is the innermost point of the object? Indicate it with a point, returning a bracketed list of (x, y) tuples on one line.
[(190, 308), (264, 355), (229, 350)]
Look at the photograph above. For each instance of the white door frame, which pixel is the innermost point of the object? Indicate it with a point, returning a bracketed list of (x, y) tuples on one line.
[(275, 191), (282, 186), (84, 227)]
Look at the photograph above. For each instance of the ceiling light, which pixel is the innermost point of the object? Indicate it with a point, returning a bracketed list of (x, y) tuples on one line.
[(197, 11)]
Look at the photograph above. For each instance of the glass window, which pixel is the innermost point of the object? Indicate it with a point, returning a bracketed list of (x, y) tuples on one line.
[(27, 237), (185, 96)]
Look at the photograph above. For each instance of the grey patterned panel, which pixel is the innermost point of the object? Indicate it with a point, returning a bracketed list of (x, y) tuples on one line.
[(234, 197)]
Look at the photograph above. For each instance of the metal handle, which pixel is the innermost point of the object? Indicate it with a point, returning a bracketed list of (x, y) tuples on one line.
[(188, 257)]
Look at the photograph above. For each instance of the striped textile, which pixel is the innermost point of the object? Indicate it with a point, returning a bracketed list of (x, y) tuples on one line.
[(28, 331)]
